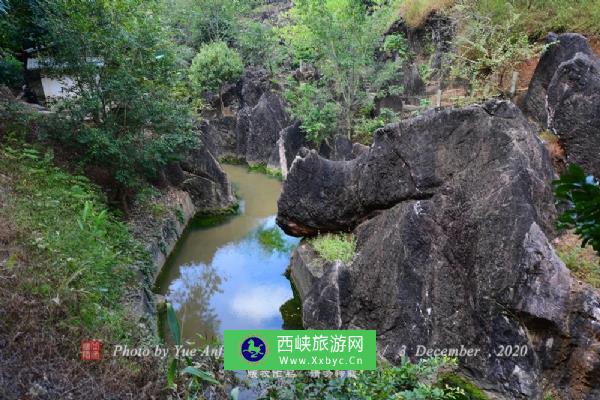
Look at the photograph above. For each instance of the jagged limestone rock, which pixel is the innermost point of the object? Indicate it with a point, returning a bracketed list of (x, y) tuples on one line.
[(451, 212)]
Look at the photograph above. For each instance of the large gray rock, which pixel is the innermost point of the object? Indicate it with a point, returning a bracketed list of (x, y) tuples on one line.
[(292, 139), (255, 83), (337, 148), (561, 48), (205, 181), (574, 110), (450, 211), (252, 117), (262, 126), (410, 160)]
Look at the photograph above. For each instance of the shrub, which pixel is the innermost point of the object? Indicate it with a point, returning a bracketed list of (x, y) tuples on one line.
[(487, 51), (315, 107), (11, 72), (365, 127), (214, 65), (122, 116), (334, 247), (340, 37), (406, 381), (395, 43), (581, 195), (259, 45)]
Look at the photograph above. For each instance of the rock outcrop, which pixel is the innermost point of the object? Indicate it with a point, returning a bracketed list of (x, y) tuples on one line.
[(250, 124), (574, 110), (259, 127), (291, 140), (561, 48), (452, 212), (337, 148), (206, 182)]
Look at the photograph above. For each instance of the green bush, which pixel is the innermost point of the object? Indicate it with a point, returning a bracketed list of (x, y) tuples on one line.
[(340, 37), (365, 127), (259, 45), (315, 107), (396, 43), (11, 72), (580, 193), (334, 247), (214, 65), (123, 116), (408, 381)]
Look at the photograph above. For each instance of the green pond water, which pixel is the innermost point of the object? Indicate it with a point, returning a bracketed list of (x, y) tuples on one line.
[(228, 272)]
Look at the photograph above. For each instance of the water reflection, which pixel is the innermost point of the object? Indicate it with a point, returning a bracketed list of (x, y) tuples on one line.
[(230, 276)]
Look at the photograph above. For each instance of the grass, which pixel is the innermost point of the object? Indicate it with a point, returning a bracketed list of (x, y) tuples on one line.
[(416, 12), (334, 247), (470, 391), (70, 269), (82, 253), (538, 17), (584, 263)]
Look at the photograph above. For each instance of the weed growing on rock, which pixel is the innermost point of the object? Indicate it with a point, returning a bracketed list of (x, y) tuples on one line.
[(334, 247)]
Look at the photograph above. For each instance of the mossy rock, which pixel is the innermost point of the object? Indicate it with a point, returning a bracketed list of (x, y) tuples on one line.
[(472, 392)]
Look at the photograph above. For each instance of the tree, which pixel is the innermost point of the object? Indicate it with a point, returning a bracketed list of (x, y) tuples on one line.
[(203, 21), (341, 37), (214, 65), (123, 116), (315, 107)]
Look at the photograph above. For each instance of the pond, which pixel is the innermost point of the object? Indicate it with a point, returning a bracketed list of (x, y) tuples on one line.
[(228, 272)]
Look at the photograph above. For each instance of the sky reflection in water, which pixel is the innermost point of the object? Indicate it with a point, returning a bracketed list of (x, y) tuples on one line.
[(231, 276)]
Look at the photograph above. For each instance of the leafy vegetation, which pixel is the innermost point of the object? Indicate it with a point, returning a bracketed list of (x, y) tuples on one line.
[(487, 52), (334, 247), (185, 377), (11, 71), (365, 127), (580, 193), (213, 66), (409, 381), (123, 115), (314, 105), (538, 17), (320, 34), (82, 252), (395, 43)]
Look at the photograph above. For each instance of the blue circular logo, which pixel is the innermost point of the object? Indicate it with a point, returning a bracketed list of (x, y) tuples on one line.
[(253, 349)]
